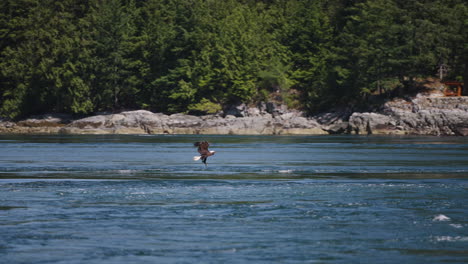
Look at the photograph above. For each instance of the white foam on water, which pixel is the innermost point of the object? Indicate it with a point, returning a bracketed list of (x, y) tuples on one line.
[(441, 218), (126, 171), (451, 238), (285, 171), (456, 225)]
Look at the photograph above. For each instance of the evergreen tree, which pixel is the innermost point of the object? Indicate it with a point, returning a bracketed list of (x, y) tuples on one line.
[(111, 32), (39, 67), (306, 32), (82, 56)]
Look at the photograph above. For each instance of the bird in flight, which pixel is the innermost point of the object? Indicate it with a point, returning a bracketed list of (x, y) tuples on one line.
[(203, 150)]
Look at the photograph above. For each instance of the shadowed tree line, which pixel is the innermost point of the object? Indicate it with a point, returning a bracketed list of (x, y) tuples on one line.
[(85, 56)]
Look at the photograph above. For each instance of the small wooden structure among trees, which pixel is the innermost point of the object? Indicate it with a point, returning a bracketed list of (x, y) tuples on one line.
[(453, 88)]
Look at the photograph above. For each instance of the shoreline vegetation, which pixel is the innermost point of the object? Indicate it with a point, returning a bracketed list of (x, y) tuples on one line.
[(232, 67), (428, 112)]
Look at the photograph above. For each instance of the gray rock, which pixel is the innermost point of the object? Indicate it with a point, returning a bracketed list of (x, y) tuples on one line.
[(337, 128), (425, 114), (429, 114), (372, 123), (242, 110), (276, 109), (48, 120), (145, 122), (335, 121), (239, 110), (44, 124)]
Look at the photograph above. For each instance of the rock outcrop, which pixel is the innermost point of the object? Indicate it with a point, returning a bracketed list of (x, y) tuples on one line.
[(334, 122), (424, 114), (145, 122), (44, 124)]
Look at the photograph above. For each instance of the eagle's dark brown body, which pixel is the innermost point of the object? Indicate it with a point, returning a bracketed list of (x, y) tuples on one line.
[(203, 150)]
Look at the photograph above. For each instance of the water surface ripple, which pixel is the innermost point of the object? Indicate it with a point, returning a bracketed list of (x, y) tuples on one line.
[(261, 199)]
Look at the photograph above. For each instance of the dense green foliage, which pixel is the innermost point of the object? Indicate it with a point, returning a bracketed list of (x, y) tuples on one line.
[(84, 56)]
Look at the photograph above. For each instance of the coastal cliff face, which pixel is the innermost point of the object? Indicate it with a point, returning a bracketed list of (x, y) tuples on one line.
[(424, 114)]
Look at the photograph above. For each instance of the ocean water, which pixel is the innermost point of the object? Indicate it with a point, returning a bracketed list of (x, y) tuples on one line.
[(260, 199)]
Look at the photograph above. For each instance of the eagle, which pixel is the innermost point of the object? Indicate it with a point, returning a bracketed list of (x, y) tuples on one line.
[(203, 150)]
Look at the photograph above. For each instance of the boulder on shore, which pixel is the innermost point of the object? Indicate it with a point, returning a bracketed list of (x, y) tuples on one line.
[(145, 122), (422, 115), (43, 124)]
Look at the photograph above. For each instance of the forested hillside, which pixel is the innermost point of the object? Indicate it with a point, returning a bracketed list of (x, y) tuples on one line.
[(84, 56)]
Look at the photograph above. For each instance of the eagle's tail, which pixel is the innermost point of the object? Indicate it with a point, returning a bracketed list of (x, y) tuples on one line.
[(197, 158)]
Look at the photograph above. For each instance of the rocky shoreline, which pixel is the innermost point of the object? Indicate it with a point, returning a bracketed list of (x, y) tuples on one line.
[(424, 114)]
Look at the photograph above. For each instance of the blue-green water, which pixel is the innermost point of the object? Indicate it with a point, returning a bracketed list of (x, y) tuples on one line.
[(261, 199)]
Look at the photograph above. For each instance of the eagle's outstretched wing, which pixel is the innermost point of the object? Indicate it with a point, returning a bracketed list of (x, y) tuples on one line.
[(202, 147), (203, 150)]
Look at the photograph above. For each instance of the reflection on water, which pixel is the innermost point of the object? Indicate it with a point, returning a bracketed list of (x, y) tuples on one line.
[(262, 199)]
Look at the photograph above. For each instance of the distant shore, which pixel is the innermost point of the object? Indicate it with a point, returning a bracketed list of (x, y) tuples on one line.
[(424, 114)]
